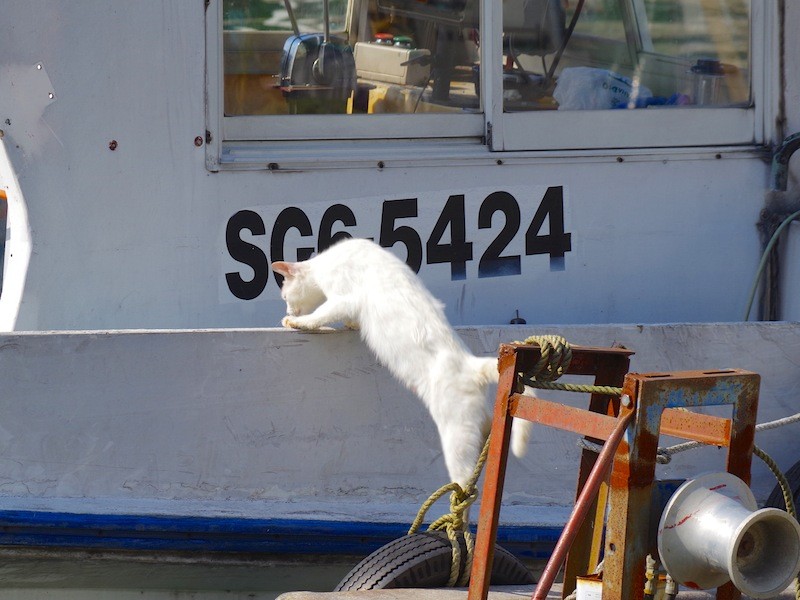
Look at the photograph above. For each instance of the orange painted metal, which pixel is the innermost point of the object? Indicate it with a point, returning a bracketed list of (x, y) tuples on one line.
[(695, 426), (653, 398), (494, 475), (607, 365), (627, 532), (559, 416), (588, 546)]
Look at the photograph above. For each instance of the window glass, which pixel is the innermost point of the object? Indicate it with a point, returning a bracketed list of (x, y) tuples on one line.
[(611, 54), (419, 62), (289, 57)]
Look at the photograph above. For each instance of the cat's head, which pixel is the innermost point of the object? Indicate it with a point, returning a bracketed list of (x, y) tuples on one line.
[(299, 290)]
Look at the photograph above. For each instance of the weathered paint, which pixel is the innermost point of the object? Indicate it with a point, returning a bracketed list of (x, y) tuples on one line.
[(515, 359), (633, 476), (219, 409), (135, 237)]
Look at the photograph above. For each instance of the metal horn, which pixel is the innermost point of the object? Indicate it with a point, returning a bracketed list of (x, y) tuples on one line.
[(711, 532)]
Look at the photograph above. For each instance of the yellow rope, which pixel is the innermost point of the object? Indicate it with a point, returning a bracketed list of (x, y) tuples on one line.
[(454, 523), (556, 355)]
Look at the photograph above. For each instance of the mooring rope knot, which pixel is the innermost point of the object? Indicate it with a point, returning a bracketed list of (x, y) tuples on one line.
[(555, 357), (454, 524)]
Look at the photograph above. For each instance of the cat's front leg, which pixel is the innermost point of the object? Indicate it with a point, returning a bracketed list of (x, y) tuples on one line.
[(330, 311), (305, 323)]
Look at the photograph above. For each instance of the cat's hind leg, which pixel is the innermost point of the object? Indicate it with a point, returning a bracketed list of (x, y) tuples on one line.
[(461, 445)]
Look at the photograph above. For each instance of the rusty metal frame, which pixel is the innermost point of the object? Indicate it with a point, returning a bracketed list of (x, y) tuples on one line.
[(633, 474), (657, 400), (608, 366)]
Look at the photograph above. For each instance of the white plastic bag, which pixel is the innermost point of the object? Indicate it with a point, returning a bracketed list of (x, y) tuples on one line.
[(585, 88)]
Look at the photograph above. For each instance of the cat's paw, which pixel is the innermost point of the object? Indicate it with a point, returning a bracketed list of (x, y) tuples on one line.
[(290, 322), (297, 323)]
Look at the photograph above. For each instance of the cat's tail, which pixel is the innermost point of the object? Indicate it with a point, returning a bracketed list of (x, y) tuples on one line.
[(487, 371), (520, 436), (521, 429)]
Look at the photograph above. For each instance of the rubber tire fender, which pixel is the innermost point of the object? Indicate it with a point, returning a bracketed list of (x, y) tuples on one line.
[(422, 560)]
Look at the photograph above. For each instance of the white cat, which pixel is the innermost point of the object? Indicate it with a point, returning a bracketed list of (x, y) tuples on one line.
[(358, 283)]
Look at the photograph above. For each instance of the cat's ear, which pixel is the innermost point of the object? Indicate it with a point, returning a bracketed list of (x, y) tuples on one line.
[(286, 269)]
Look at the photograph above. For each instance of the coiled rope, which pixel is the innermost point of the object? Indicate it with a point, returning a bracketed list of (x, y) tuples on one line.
[(556, 355)]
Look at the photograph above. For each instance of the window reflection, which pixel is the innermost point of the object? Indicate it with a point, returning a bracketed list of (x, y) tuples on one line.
[(638, 54), (285, 57), (375, 56)]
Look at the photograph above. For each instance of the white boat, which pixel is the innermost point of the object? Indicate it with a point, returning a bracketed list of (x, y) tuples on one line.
[(156, 156)]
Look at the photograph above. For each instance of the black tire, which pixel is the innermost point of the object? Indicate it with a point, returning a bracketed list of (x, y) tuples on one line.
[(775, 499), (422, 560)]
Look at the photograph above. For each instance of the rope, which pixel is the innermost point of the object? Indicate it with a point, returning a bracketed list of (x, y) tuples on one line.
[(556, 355), (786, 488), (607, 390), (778, 422), (454, 523)]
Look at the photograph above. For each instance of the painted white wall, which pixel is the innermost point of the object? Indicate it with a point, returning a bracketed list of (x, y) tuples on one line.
[(135, 237), (279, 423)]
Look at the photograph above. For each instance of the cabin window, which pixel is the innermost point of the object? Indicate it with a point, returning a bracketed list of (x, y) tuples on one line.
[(561, 74), (290, 57), (284, 57), (608, 54), (634, 73), (333, 69)]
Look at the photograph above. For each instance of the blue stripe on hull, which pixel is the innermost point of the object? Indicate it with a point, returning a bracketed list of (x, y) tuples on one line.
[(236, 535)]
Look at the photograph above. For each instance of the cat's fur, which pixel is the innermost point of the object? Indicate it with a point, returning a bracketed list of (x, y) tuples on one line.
[(358, 283)]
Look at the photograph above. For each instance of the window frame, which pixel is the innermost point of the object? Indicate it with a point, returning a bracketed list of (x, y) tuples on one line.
[(648, 128), (492, 129), (281, 128)]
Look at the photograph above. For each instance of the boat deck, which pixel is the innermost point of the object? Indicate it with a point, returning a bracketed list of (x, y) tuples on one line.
[(501, 592), (519, 592)]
